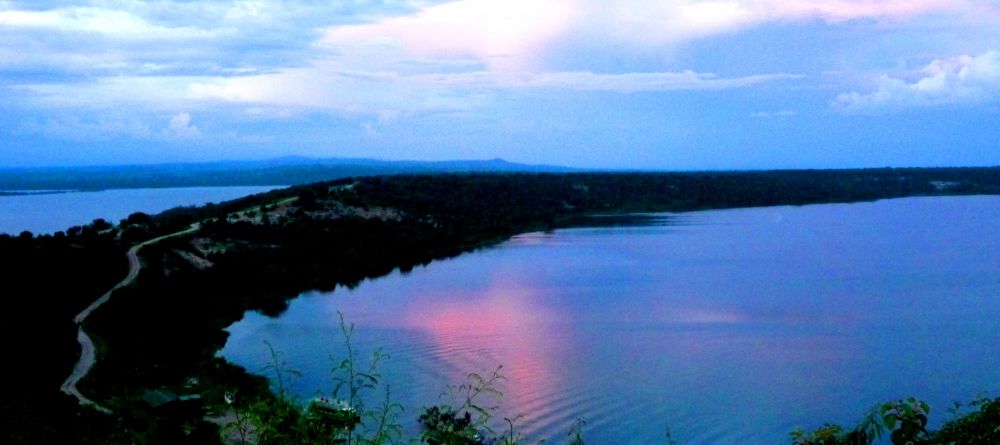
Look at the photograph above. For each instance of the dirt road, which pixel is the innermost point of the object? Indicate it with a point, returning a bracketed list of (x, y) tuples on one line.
[(88, 355)]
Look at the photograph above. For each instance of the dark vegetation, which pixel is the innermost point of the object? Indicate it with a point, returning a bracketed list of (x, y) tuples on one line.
[(256, 253), (47, 280), (906, 422)]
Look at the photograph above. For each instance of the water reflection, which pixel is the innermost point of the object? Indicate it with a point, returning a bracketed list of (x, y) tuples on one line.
[(734, 327), (504, 324)]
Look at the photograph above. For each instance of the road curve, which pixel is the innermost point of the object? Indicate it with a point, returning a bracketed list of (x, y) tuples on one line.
[(88, 355)]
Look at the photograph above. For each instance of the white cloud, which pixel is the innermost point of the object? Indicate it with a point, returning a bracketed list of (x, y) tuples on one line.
[(958, 80), (151, 92), (323, 88), (589, 81), (95, 20), (644, 82), (687, 19), (388, 93), (111, 126), (180, 127), (510, 35), (370, 131), (840, 10), (171, 36), (99, 128), (502, 33), (770, 114)]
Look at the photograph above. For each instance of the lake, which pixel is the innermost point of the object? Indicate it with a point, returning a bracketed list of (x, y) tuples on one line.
[(52, 212), (731, 326)]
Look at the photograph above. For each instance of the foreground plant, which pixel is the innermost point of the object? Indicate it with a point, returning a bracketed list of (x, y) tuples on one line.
[(280, 419), (979, 426), (905, 421), (465, 420), (350, 382)]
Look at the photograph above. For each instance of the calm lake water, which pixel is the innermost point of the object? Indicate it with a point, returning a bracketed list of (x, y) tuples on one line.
[(49, 213), (732, 326)]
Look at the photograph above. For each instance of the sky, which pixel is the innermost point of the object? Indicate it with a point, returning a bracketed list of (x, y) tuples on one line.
[(636, 84)]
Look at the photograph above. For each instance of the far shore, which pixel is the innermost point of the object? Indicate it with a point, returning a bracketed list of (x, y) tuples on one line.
[(34, 192)]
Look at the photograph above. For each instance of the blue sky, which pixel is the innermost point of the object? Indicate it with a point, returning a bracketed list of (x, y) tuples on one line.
[(669, 84)]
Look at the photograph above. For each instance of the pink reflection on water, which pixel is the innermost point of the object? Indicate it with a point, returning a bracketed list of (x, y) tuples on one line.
[(532, 239), (506, 324)]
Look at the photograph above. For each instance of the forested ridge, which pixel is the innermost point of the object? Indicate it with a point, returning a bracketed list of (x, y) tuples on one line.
[(258, 252)]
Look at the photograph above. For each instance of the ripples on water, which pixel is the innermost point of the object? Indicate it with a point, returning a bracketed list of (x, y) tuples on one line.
[(729, 326)]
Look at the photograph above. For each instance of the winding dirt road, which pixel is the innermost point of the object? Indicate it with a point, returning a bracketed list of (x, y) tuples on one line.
[(88, 354)]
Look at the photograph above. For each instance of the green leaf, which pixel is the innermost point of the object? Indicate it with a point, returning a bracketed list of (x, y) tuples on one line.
[(890, 421)]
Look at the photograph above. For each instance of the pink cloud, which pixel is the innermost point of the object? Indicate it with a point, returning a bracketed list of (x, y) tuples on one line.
[(841, 10), (510, 35), (499, 33)]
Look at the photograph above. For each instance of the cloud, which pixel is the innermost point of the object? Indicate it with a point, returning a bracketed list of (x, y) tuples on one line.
[(501, 33), (111, 126), (320, 89), (513, 34), (150, 128), (589, 81), (370, 131), (841, 10), (180, 127), (95, 20), (110, 93), (395, 58), (770, 114), (99, 128), (958, 80), (388, 92), (171, 37)]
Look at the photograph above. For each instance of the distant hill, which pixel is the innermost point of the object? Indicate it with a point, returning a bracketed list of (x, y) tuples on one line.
[(279, 171)]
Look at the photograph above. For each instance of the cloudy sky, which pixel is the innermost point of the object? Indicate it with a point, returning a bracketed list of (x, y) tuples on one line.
[(660, 84)]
